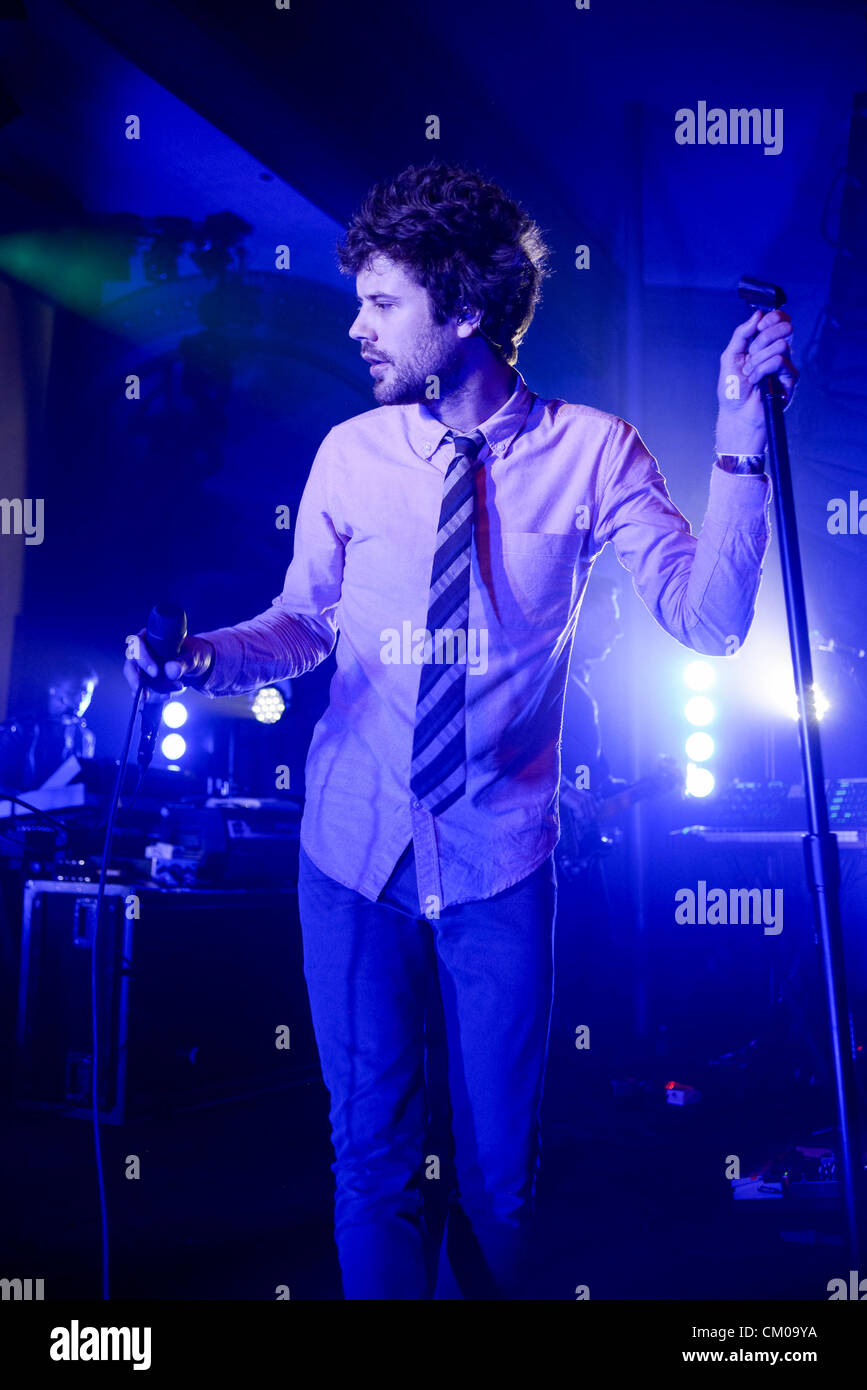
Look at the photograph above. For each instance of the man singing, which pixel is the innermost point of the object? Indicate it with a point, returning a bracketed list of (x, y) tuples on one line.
[(447, 536)]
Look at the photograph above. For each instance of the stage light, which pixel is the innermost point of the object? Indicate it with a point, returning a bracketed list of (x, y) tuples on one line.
[(698, 675), (173, 746), (174, 714), (779, 689), (699, 747), (821, 702), (699, 710), (700, 781), (268, 705)]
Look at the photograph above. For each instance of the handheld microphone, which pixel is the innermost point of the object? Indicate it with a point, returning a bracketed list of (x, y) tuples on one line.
[(166, 630), (761, 294)]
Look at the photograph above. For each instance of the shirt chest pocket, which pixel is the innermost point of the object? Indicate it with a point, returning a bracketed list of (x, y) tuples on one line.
[(532, 576)]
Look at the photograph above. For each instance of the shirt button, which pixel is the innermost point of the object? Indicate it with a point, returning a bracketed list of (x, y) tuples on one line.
[(416, 805)]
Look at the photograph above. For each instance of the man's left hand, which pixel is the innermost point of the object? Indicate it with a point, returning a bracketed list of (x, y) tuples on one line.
[(743, 364)]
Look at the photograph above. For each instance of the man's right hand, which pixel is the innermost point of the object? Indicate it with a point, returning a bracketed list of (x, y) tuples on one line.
[(193, 663)]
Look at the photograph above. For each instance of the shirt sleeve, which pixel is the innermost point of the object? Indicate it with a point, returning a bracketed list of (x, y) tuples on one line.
[(701, 589), (299, 630)]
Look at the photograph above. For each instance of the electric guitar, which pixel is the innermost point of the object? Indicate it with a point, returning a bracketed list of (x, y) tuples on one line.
[(581, 839)]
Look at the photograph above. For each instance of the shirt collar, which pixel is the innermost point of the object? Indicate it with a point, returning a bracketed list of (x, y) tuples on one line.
[(426, 432)]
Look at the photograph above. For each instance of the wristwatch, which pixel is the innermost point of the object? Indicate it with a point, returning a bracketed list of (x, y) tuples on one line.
[(200, 679), (741, 463)]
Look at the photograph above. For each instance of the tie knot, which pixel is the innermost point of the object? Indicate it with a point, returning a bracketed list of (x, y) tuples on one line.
[(467, 444)]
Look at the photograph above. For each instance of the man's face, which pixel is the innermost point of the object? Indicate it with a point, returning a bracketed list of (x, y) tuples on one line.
[(396, 330), (70, 697)]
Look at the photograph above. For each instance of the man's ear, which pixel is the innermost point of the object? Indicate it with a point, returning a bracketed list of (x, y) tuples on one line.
[(469, 318)]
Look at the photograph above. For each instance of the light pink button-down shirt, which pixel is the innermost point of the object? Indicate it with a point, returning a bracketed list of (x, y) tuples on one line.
[(555, 482)]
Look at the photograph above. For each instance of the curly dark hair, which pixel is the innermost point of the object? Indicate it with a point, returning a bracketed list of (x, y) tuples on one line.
[(462, 239)]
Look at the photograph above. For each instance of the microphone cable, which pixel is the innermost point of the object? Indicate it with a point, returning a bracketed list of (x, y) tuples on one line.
[(166, 630), (94, 991)]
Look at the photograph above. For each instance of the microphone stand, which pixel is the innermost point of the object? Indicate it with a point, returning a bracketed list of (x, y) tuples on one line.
[(821, 851)]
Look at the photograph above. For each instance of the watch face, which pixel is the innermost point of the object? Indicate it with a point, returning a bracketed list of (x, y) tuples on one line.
[(741, 463)]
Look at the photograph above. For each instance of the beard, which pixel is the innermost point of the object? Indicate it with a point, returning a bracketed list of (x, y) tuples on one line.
[(407, 382)]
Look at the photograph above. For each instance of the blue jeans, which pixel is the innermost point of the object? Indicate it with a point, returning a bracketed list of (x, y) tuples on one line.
[(401, 1005)]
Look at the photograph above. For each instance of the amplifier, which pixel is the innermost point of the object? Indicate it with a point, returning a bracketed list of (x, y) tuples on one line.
[(229, 842), (201, 997)]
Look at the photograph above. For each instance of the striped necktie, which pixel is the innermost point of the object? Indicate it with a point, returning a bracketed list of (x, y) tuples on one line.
[(439, 751)]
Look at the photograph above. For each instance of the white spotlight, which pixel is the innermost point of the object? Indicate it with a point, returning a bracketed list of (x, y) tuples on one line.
[(699, 710), (700, 781), (699, 747), (698, 675), (173, 746), (174, 714), (268, 705)]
